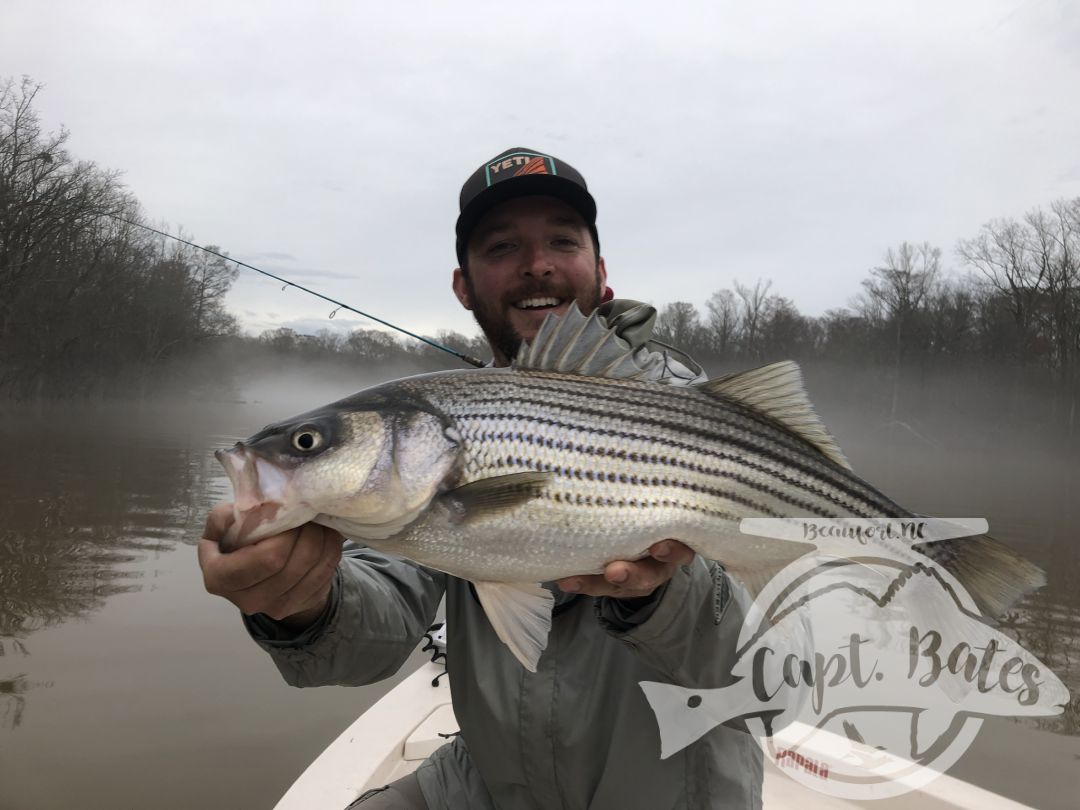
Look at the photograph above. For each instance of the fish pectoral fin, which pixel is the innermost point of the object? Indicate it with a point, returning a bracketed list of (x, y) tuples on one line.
[(520, 613), (493, 494), (776, 391)]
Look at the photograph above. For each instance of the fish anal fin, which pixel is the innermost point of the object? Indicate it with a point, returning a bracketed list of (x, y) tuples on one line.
[(776, 391), (482, 497), (520, 614)]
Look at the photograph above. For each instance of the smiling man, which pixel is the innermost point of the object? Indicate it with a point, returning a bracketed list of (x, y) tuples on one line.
[(527, 246), (577, 733)]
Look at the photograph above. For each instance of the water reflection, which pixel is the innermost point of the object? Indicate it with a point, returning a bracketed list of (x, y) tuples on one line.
[(1050, 629), (90, 500), (12, 702)]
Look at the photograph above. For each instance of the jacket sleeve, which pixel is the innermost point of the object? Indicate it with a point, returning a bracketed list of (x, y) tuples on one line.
[(688, 630), (379, 608)]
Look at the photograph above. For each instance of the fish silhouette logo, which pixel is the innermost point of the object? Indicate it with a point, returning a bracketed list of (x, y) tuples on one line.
[(863, 669)]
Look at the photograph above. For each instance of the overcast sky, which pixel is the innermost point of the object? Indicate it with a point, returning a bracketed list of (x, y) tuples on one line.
[(793, 141)]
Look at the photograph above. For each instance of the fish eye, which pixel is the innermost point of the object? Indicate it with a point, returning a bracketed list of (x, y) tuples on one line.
[(307, 439)]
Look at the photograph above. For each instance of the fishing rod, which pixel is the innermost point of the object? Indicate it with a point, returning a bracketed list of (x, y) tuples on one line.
[(339, 304)]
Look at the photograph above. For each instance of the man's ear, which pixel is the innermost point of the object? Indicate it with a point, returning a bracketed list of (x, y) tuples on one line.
[(601, 273), (461, 289)]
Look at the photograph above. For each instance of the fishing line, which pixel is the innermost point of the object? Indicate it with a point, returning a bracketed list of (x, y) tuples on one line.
[(339, 304)]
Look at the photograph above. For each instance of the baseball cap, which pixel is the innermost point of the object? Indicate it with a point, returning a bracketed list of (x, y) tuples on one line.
[(515, 173)]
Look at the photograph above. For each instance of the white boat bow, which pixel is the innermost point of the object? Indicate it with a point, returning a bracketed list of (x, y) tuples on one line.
[(402, 729)]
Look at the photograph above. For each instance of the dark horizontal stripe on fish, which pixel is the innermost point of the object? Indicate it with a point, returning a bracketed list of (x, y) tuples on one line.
[(671, 399), (712, 411), (560, 393), (635, 479), (716, 417), (860, 492), (856, 498), (674, 483), (580, 499), (597, 416)]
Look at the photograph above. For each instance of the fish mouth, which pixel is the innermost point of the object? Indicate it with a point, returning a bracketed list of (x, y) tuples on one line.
[(258, 492)]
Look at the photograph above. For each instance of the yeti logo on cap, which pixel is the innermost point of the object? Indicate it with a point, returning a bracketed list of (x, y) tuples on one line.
[(516, 164)]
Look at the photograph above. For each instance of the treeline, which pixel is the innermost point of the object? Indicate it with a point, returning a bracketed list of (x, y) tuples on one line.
[(1017, 306), (88, 303), (369, 347)]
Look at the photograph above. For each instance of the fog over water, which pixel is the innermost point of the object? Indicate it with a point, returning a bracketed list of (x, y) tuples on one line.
[(123, 684)]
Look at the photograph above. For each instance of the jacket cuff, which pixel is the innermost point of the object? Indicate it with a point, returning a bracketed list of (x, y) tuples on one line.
[(623, 615), (271, 634), (671, 608)]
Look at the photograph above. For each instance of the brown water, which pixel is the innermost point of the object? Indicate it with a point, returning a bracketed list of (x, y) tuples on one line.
[(124, 685)]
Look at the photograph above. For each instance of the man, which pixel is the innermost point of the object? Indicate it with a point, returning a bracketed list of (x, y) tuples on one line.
[(578, 732)]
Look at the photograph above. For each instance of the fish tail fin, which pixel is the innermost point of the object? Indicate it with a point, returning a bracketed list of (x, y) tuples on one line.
[(994, 575)]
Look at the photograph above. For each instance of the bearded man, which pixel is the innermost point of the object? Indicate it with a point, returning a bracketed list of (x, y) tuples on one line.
[(578, 732)]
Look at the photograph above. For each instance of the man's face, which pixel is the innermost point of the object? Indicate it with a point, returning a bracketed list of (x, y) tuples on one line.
[(528, 257)]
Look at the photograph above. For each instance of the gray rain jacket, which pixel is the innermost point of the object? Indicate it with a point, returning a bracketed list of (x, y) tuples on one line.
[(578, 733)]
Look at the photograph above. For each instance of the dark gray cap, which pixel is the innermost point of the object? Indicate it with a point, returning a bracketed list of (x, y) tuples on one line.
[(515, 173)]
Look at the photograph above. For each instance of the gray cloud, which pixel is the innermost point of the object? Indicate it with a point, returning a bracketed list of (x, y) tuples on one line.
[(270, 256)]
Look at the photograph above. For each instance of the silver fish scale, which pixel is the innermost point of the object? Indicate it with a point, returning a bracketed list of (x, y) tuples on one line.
[(632, 463)]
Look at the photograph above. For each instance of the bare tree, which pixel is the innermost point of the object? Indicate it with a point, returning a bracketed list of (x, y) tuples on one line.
[(374, 345), (679, 325), (211, 277), (753, 310), (1034, 266), (1000, 254), (86, 299), (1054, 247), (897, 290), (327, 341), (784, 332), (952, 319), (722, 329)]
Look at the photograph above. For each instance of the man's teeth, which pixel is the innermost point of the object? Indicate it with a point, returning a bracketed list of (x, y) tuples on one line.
[(537, 303)]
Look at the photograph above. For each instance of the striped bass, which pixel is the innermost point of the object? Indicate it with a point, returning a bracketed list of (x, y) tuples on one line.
[(575, 456)]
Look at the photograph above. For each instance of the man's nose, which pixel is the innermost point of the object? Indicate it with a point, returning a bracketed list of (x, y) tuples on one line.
[(537, 261)]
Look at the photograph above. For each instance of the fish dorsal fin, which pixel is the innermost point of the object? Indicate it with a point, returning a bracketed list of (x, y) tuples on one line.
[(776, 390), (575, 344)]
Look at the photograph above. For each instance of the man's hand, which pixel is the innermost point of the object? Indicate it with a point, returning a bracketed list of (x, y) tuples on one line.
[(286, 576), (632, 580)]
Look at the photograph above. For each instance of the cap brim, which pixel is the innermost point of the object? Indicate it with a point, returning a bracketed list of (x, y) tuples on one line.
[(546, 184)]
